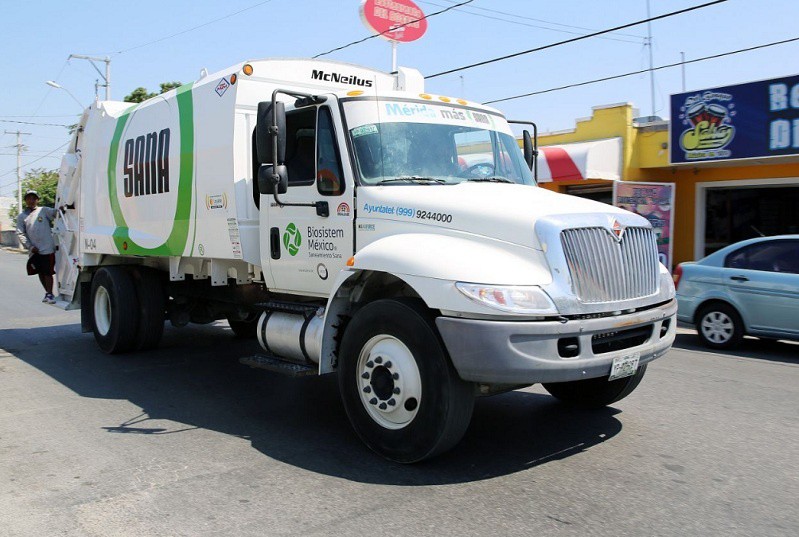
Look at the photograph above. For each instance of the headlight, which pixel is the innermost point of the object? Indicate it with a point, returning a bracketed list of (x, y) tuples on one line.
[(513, 299)]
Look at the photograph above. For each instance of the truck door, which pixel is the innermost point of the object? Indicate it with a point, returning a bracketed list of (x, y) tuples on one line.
[(312, 249)]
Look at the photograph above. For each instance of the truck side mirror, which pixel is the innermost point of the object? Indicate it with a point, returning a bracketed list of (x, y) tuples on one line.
[(529, 152), (266, 179), (264, 142)]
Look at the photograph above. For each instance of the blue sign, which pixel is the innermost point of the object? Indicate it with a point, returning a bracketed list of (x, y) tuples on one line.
[(759, 119)]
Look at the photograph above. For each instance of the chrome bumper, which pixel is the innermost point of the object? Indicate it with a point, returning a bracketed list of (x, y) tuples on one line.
[(529, 352)]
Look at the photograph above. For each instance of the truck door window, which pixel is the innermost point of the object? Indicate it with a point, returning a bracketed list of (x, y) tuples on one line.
[(329, 177), (300, 141)]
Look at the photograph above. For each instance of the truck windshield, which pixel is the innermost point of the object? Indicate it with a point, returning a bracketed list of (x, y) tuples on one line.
[(431, 151)]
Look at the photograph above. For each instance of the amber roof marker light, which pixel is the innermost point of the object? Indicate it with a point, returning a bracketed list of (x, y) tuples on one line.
[(247, 69)]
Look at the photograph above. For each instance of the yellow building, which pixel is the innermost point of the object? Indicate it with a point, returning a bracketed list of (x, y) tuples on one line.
[(716, 203)]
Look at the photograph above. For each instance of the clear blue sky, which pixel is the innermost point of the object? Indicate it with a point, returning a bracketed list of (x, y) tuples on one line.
[(37, 37)]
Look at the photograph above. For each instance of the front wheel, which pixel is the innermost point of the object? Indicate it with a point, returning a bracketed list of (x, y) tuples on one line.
[(401, 393), (595, 393), (719, 326)]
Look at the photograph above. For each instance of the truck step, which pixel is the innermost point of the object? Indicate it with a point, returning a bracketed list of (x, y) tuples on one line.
[(271, 363), (288, 307)]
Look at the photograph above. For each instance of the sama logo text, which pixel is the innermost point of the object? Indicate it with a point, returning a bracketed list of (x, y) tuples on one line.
[(146, 164)]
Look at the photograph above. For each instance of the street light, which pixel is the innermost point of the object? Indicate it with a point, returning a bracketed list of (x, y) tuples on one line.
[(55, 85)]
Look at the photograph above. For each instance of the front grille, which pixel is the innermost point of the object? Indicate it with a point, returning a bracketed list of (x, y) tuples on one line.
[(606, 270)]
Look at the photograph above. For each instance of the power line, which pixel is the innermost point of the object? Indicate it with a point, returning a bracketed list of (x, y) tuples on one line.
[(638, 41), (33, 123), (33, 161), (142, 45), (641, 71), (63, 115), (392, 29), (574, 39)]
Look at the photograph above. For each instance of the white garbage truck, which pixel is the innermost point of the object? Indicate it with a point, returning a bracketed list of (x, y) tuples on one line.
[(356, 224)]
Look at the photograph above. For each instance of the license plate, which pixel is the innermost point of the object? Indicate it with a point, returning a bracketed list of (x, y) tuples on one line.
[(624, 366)]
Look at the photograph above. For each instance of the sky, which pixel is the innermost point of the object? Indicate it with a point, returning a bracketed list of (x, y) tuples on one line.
[(150, 42)]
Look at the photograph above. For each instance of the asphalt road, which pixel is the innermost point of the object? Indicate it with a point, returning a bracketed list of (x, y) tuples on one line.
[(186, 441)]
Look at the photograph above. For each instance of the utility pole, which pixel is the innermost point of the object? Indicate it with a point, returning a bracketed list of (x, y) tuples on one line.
[(651, 61), (682, 64), (106, 76), (19, 147)]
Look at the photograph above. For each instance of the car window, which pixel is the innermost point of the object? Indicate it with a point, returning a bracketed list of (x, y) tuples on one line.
[(771, 256)]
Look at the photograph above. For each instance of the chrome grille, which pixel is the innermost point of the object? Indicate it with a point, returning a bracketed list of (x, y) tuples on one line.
[(606, 270)]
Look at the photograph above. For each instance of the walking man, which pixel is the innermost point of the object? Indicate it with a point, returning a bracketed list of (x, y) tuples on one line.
[(34, 232)]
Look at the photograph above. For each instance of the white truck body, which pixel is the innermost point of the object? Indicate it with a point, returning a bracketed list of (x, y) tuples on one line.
[(523, 285)]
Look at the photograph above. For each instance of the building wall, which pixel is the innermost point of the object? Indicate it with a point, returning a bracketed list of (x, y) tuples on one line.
[(646, 158)]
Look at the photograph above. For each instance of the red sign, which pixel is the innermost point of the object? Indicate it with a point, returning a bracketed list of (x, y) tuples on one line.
[(395, 20)]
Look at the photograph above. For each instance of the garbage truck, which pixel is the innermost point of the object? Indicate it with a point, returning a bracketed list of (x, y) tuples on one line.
[(357, 225)]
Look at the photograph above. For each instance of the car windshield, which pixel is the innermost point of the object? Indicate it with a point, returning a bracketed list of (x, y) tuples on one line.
[(435, 153)]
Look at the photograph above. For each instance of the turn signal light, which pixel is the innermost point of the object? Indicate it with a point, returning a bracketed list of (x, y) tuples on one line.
[(351, 262), (247, 69)]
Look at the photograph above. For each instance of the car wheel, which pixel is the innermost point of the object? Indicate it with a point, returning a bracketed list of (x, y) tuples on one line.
[(400, 391), (719, 326), (595, 393)]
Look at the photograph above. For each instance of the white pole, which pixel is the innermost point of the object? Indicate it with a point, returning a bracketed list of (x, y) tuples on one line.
[(107, 78), (19, 167), (682, 62), (393, 56), (651, 61)]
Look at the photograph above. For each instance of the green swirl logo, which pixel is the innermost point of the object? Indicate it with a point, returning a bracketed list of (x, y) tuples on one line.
[(292, 239)]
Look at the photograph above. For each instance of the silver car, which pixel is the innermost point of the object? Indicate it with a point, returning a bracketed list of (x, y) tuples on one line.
[(750, 287)]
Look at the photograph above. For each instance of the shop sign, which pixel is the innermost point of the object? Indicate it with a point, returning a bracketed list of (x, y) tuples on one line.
[(395, 20), (655, 202), (754, 120)]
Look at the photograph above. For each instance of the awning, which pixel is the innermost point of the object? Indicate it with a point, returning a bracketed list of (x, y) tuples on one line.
[(597, 159)]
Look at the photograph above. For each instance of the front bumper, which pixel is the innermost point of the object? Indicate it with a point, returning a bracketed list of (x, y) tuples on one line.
[(527, 352)]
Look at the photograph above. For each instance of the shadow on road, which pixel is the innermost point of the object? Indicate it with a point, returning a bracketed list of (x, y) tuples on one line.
[(769, 350), (194, 379)]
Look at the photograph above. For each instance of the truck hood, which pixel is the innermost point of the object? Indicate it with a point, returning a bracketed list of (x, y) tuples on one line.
[(505, 212)]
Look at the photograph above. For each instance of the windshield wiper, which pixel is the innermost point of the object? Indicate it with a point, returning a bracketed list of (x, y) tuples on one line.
[(491, 180), (413, 179)]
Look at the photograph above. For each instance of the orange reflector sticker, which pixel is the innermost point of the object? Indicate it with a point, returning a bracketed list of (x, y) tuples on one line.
[(445, 99), (351, 262), (425, 96), (461, 101)]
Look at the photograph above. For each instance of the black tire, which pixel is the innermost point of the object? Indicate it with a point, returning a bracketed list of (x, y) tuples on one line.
[(444, 408), (729, 328), (152, 308), (113, 287), (247, 328), (595, 393)]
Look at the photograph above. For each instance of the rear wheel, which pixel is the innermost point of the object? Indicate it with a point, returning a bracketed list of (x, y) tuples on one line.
[(401, 393), (246, 328), (115, 310), (152, 308), (719, 326), (595, 393)]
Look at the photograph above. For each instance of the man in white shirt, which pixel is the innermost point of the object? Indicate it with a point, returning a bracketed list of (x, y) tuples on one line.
[(34, 229)]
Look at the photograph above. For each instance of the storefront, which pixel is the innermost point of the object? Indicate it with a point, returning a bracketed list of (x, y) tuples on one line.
[(731, 154)]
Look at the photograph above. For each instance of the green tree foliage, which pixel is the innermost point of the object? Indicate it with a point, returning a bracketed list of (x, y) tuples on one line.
[(42, 181), (141, 94)]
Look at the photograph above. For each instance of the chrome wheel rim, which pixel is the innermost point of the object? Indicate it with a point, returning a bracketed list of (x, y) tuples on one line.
[(389, 382), (102, 311), (717, 327)]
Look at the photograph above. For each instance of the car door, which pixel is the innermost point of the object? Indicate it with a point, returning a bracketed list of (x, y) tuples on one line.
[(307, 249), (763, 278)]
